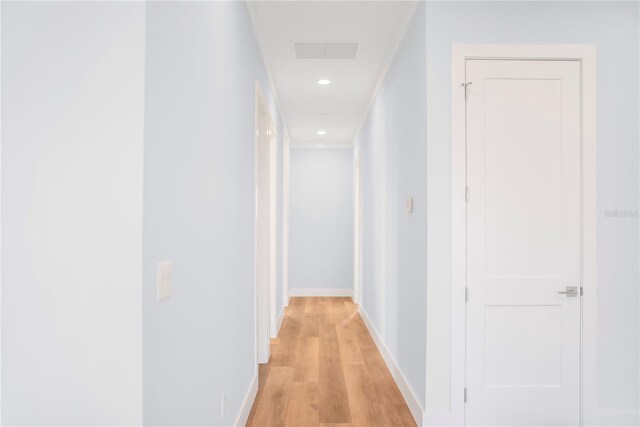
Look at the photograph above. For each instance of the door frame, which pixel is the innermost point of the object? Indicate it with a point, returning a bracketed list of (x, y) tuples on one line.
[(286, 170), (586, 54), (357, 244), (273, 225), (261, 106)]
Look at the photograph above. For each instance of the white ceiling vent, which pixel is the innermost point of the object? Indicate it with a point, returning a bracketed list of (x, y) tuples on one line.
[(315, 50)]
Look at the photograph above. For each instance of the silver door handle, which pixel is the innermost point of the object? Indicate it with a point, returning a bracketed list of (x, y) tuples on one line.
[(571, 291)]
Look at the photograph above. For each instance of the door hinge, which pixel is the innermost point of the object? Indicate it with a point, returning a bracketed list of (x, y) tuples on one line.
[(465, 84), (465, 395), (466, 294), (581, 292), (466, 193)]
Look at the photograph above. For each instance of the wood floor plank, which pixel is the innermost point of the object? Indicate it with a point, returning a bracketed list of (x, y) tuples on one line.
[(376, 366), (388, 393), (310, 326), (275, 397), (296, 306), (284, 354), (365, 340), (307, 364), (334, 403), (363, 403), (349, 348), (329, 346), (348, 330), (313, 306), (303, 407), (398, 415), (263, 372), (326, 371), (290, 329)]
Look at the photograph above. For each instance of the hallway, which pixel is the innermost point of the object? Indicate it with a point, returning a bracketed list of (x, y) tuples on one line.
[(326, 370), (227, 213)]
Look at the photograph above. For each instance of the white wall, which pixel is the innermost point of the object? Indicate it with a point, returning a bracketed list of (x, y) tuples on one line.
[(613, 28), (392, 146), (72, 138), (202, 63), (321, 219)]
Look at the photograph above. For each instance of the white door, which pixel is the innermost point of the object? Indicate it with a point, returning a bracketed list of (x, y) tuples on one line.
[(263, 235), (523, 242)]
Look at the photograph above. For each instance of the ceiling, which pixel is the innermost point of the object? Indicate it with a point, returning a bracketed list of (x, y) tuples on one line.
[(338, 108)]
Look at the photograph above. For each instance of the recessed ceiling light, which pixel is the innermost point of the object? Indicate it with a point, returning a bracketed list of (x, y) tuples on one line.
[(324, 82), (322, 132)]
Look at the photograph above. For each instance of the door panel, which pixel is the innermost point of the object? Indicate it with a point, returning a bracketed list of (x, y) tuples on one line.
[(523, 170), (523, 242), (511, 360)]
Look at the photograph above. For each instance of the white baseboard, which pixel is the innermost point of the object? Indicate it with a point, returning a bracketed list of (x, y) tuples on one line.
[(407, 392), (595, 418), (599, 417), (438, 418), (247, 403), (319, 292)]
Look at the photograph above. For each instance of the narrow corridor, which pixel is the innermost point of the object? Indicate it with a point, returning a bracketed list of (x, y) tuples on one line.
[(325, 369)]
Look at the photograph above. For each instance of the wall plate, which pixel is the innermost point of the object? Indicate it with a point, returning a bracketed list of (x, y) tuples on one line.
[(164, 279)]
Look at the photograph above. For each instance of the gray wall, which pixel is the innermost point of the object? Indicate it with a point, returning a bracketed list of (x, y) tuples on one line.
[(321, 219), (72, 138), (613, 27), (393, 152), (202, 63)]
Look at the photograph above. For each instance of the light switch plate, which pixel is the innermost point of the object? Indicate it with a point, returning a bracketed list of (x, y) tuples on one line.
[(165, 271), (408, 204)]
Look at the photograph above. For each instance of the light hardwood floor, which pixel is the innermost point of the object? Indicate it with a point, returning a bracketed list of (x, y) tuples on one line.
[(325, 370)]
